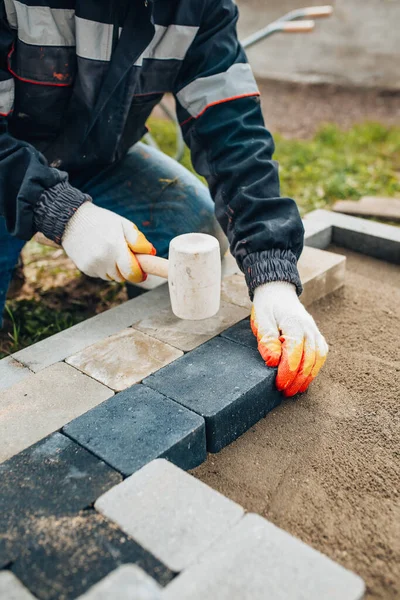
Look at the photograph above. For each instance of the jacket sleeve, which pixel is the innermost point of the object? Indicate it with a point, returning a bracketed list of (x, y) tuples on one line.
[(218, 106), (30, 190)]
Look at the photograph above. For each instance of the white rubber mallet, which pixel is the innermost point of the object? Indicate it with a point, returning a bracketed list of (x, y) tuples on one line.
[(193, 272)]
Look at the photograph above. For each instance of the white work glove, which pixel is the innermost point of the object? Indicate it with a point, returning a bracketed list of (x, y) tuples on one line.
[(288, 337), (103, 244)]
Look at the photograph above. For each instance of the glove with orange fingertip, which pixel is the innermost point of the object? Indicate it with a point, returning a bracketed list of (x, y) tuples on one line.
[(287, 336), (103, 244)]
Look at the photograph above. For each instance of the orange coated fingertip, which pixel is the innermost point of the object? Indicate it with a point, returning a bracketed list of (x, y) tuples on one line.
[(289, 365)]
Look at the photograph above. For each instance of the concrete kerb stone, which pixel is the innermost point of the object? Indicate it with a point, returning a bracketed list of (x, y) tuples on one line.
[(170, 513), (256, 560), (12, 372), (361, 235)]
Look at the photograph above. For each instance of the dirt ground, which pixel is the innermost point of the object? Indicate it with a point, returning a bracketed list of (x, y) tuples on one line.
[(326, 466), (297, 110)]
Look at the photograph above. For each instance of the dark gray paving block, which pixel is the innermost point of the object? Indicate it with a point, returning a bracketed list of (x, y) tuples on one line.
[(241, 333), (367, 243), (48, 480), (71, 554), (226, 383), (139, 425)]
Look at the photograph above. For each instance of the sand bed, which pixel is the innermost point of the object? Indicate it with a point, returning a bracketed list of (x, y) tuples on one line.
[(326, 467)]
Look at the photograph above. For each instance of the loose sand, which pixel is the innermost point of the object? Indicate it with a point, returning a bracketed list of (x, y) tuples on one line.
[(326, 466)]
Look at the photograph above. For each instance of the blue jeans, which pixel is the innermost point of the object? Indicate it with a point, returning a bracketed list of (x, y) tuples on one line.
[(147, 187)]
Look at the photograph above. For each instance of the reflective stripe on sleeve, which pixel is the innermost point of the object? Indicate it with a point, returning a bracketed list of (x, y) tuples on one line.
[(237, 82), (6, 96), (169, 43)]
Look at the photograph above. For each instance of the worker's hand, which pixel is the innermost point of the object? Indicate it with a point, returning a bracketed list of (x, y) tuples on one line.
[(103, 244), (288, 337)]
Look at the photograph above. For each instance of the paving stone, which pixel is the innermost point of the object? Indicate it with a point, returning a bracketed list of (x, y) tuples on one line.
[(321, 273), (39, 405), (368, 237), (234, 290), (47, 481), (72, 554), (128, 582), (256, 560), (317, 234), (71, 341), (139, 425), (12, 589), (124, 359), (186, 335), (371, 206), (11, 372), (169, 512), (226, 383), (241, 334)]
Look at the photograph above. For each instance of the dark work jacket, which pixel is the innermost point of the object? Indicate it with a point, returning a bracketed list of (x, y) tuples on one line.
[(78, 80)]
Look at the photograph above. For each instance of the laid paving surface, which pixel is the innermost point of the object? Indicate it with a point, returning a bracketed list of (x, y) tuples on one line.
[(325, 466), (128, 582), (53, 479), (223, 382), (257, 560), (38, 406), (187, 335), (74, 553), (139, 425), (170, 513), (123, 359)]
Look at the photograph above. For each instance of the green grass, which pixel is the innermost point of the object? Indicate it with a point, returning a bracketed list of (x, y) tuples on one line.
[(333, 165)]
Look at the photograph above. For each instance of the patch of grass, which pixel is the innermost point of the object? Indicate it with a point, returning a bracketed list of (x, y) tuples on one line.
[(335, 164)]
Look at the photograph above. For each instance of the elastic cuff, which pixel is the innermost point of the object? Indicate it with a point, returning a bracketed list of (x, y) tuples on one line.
[(271, 265), (55, 208)]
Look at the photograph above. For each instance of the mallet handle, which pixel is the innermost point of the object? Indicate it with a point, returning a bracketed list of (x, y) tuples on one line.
[(153, 265)]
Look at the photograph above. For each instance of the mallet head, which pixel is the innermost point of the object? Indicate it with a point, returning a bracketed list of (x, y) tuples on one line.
[(194, 276)]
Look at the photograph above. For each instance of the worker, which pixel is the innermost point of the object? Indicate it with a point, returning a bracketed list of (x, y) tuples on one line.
[(78, 80)]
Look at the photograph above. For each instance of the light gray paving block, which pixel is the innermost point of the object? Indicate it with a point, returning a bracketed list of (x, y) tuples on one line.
[(11, 372), (234, 290), (12, 589), (256, 560), (170, 513), (128, 582), (124, 359), (368, 237), (70, 341), (43, 403), (321, 273), (187, 335)]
